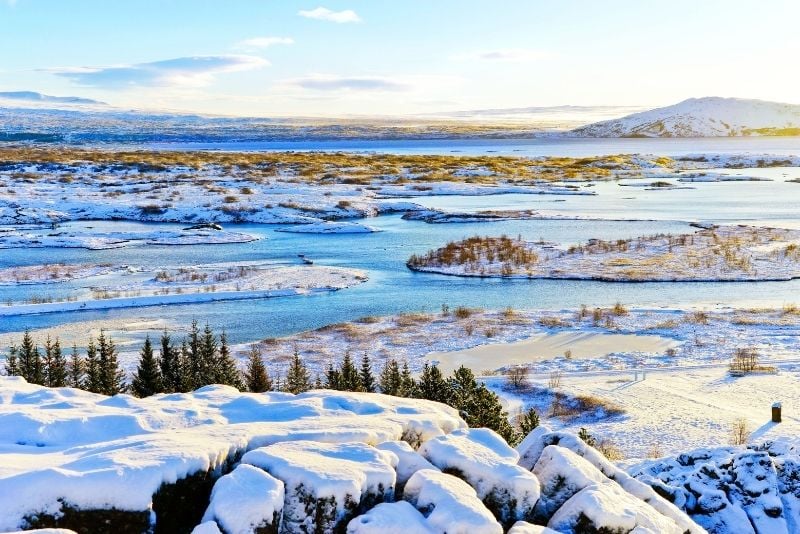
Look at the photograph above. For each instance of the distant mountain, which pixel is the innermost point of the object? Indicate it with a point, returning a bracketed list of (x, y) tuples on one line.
[(32, 96), (702, 117)]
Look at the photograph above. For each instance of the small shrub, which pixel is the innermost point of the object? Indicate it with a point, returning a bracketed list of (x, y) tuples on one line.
[(462, 312), (740, 432)]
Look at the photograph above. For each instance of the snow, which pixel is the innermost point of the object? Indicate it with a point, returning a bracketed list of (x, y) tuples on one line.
[(245, 499), (215, 284), (523, 527), (390, 518), (699, 117), (409, 461), (725, 253), (449, 504), (608, 507), (562, 474), (327, 227), (209, 527), (109, 240), (95, 452), (489, 465)]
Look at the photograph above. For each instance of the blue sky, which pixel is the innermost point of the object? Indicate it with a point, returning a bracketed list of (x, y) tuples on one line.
[(270, 57)]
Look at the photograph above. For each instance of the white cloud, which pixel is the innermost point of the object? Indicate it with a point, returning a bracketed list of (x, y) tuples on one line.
[(323, 13), (323, 82), (507, 55), (265, 42), (183, 71)]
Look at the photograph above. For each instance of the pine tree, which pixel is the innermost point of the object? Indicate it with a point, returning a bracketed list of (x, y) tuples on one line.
[(366, 376), (185, 379), (408, 386), (12, 367), (210, 369), (75, 370), (432, 385), (318, 384), (333, 378), (297, 378), (94, 381), (194, 368), (485, 410), (55, 366), (350, 380), (223, 367), (30, 361), (147, 379), (170, 363), (390, 380), (528, 421), (112, 378), (462, 388), (256, 376)]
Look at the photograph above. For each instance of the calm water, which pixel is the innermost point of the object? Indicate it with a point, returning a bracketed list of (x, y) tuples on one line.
[(392, 288), (544, 146)]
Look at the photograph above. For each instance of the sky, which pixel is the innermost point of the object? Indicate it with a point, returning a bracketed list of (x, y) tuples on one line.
[(403, 57)]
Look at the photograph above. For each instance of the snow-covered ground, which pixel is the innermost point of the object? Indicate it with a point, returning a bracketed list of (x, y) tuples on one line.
[(203, 283), (94, 240), (52, 273), (725, 253)]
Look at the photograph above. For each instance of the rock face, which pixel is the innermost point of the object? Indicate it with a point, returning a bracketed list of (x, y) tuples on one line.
[(732, 489), (703, 117)]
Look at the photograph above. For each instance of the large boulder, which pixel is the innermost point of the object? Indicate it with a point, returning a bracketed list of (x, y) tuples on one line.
[(326, 484), (484, 460), (390, 518), (409, 462), (246, 501), (450, 505)]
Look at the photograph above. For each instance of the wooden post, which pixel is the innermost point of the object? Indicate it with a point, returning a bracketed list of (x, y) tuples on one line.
[(776, 412)]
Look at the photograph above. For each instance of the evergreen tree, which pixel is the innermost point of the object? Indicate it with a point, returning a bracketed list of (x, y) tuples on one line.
[(390, 380), (485, 410), (297, 378), (170, 362), (194, 370), (55, 366), (350, 380), (75, 370), (30, 361), (256, 376), (408, 386), (12, 367), (147, 379), (333, 378), (210, 368), (318, 382), (366, 376), (432, 385), (462, 388), (223, 367), (112, 378), (185, 379), (528, 421), (94, 382)]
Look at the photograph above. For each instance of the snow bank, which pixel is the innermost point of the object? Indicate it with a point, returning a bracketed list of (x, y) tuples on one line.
[(245, 500), (390, 518), (450, 505), (488, 464)]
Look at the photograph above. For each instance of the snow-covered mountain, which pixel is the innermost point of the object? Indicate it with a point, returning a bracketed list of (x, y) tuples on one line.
[(703, 117)]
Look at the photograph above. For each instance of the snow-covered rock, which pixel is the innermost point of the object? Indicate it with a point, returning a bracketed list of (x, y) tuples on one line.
[(732, 489), (245, 501), (409, 461), (327, 484), (532, 447), (484, 460), (608, 508), (450, 505), (390, 518), (207, 527), (702, 117), (523, 527)]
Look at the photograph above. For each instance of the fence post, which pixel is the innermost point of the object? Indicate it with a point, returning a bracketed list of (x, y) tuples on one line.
[(776, 412)]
